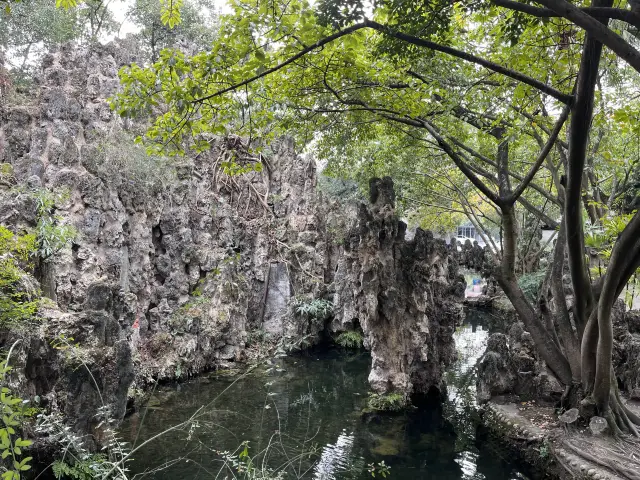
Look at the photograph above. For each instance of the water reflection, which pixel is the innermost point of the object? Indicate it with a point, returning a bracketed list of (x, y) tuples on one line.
[(312, 404), (335, 458)]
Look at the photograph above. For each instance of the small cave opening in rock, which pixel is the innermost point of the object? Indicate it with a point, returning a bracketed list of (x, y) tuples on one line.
[(147, 315), (126, 230), (75, 248), (156, 238), (430, 400)]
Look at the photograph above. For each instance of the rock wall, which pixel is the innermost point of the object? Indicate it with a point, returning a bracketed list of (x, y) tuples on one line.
[(510, 367), (176, 264), (165, 278)]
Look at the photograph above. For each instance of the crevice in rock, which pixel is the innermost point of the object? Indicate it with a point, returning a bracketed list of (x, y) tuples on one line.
[(156, 236)]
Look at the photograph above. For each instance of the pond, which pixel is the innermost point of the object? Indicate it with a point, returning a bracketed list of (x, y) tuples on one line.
[(303, 415)]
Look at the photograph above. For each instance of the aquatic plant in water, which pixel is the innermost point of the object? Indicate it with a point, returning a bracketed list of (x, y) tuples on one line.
[(386, 402)]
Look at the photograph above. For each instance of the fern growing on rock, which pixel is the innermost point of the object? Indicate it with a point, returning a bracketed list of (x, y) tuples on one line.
[(350, 339)]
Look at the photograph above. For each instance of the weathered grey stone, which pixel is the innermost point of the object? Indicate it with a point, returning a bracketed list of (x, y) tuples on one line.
[(598, 425), (277, 299), (496, 375), (511, 365), (99, 297), (400, 293), (633, 321), (570, 416)]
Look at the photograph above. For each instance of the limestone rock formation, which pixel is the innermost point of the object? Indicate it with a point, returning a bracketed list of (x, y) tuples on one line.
[(405, 295), (176, 264), (510, 366), (471, 255), (626, 351)]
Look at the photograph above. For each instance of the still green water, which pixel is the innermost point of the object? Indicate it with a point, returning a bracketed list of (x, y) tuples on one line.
[(303, 416)]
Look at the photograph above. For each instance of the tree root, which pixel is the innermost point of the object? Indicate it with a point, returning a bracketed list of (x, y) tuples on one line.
[(612, 461), (621, 420)]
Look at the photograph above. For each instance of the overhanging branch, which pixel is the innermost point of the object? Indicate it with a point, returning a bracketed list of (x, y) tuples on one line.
[(596, 29), (628, 16), (543, 155), (421, 42)]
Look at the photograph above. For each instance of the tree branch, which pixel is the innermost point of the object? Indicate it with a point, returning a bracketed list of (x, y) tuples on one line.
[(488, 161), (596, 29), (290, 60), (480, 185), (543, 155), (420, 42), (628, 16)]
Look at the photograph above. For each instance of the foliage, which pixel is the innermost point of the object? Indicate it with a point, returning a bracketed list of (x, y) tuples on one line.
[(14, 412), (602, 236), (52, 233), (543, 450), (28, 30), (194, 308), (17, 303), (379, 468), (386, 402), (85, 469), (195, 31), (124, 164), (530, 284), (77, 462), (245, 467), (317, 308), (350, 339), (339, 188)]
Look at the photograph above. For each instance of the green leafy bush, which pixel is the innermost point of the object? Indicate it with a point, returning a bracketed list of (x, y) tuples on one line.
[(80, 469), (52, 234), (17, 253), (13, 411), (386, 402), (317, 308), (530, 284), (350, 339)]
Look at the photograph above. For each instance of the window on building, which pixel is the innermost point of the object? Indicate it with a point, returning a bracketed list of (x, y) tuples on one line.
[(466, 232)]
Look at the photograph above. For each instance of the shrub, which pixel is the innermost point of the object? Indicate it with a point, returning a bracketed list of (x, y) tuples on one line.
[(52, 234), (317, 308), (124, 163), (13, 412), (350, 339), (386, 402), (530, 284), (17, 302)]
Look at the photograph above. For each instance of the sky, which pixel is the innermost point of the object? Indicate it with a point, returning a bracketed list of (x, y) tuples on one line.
[(120, 7)]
